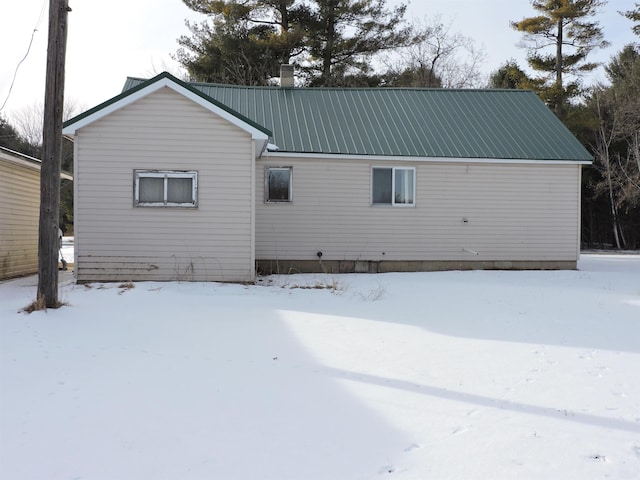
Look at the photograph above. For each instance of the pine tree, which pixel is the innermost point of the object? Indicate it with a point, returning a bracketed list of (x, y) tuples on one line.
[(634, 16), (510, 76), (227, 52), (11, 139), (345, 34), (244, 42), (331, 41), (562, 25)]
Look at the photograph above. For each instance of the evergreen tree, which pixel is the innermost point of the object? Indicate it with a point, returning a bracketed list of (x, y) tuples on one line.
[(331, 41), (11, 139), (510, 76), (562, 25), (634, 16), (243, 42), (345, 34), (228, 52)]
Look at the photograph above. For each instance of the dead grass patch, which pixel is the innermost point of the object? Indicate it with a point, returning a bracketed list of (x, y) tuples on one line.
[(125, 286), (333, 285), (39, 304)]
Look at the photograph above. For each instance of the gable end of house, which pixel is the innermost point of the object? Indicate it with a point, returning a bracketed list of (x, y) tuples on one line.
[(258, 133)]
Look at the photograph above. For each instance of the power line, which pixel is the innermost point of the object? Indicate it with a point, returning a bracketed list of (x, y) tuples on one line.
[(15, 73)]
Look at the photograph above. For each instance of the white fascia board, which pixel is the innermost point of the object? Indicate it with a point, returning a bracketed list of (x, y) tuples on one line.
[(20, 158), (383, 158), (257, 135)]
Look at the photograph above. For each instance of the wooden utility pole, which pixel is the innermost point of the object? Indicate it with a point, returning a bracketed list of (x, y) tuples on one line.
[(48, 243)]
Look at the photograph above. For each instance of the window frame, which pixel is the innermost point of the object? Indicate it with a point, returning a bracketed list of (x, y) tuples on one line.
[(166, 175), (393, 187), (267, 168)]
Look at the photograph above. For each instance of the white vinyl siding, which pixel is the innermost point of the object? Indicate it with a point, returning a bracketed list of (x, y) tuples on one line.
[(504, 212), (164, 132), (19, 214)]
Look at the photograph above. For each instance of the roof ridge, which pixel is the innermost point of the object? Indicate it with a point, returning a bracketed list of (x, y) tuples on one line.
[(347, 89), (354, 89)]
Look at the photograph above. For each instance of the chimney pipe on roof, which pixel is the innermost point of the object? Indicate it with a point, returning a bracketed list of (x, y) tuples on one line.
[(286, 76)]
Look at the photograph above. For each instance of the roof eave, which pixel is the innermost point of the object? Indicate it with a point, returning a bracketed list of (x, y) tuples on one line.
[(27, 161), (426, 159)]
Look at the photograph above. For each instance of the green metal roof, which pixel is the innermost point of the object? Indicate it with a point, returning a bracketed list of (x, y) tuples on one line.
[(492, 124)]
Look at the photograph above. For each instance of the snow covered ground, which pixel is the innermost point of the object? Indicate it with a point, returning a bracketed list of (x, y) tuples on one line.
[(447, 375)]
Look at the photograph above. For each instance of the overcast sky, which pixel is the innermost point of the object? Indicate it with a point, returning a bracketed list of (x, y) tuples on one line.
[(110, 40)]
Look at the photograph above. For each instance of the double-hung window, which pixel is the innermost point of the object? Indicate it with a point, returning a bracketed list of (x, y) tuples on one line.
[(393, 186), (165, 188), (277, 184)]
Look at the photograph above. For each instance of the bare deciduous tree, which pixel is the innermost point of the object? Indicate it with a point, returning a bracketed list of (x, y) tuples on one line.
[(617, 143), (28, 120), (438, 58)]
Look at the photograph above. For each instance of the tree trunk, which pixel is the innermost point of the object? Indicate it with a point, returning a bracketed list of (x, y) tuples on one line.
[(327, 55), (635, 149), (284, 31), (48, 243), (559, 97), (614, 212)]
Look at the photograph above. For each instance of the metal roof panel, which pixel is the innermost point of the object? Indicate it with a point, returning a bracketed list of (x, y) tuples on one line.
[(492, 124)]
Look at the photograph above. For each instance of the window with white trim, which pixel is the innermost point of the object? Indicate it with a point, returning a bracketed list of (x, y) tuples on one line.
[(165, 188), (277, 184), (393, 186)]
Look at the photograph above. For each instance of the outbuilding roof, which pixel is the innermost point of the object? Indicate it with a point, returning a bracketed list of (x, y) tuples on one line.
[(398, 122), (11, 156)]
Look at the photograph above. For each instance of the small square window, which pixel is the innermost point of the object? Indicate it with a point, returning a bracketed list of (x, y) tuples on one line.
[(277, 184), (153, 188), (393, 186)]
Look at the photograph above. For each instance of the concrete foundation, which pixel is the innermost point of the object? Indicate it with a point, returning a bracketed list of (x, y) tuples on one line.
[(266, 267)]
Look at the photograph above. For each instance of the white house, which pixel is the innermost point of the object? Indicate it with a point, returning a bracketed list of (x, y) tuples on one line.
[(191, 181)]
